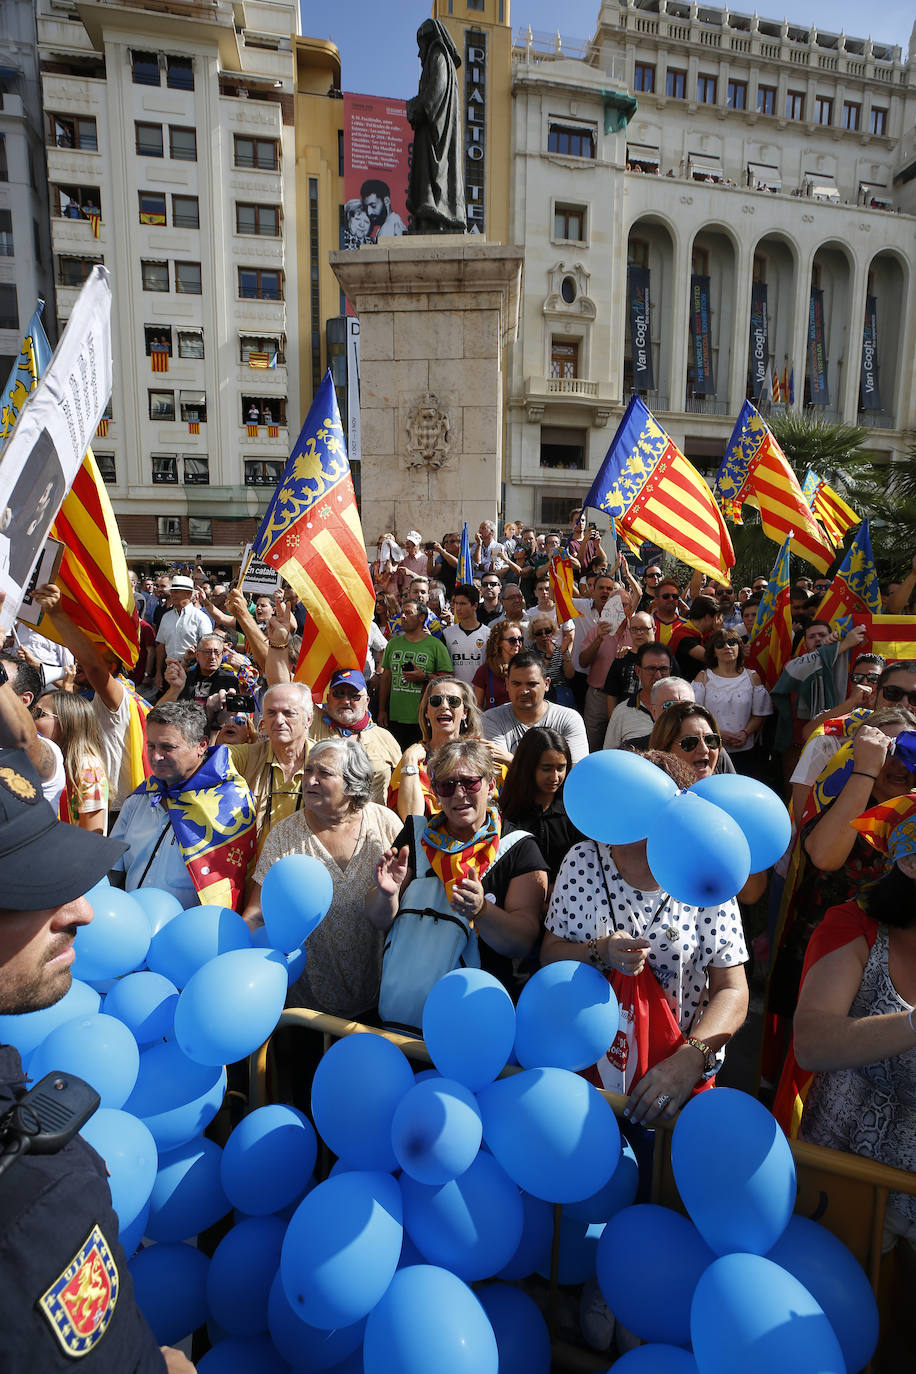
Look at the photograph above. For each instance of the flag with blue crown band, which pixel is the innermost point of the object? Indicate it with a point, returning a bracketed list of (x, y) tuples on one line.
[(465, 574)]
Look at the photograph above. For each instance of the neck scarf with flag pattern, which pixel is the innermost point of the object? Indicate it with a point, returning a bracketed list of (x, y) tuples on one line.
[(213, 820), (345, 731), (838, 771), (453, 860), (891, 827)]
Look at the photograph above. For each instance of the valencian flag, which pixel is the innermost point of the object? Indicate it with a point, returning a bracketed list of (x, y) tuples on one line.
[(252, 431), (829, 507), (311, 535), (770, 640), (34, 356), (855, 583), (563, 587), (755, 465), (464, 576), (654, 493), (159, 357)]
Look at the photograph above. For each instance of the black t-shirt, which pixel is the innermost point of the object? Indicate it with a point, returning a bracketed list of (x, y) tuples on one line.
[(447, 575), (198, 688), (622, 679), (552, 831), (688, 666)]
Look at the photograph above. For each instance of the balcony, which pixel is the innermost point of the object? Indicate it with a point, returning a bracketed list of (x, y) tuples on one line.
[(876, 419), (580, 393), (705, 405)]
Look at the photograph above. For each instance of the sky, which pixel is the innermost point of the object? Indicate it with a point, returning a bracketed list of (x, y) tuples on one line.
[(378, 49)]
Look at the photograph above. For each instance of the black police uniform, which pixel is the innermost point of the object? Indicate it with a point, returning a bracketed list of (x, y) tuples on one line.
[(66, 1296)]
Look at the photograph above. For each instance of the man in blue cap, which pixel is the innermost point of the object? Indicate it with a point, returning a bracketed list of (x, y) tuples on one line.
[(346, 712)]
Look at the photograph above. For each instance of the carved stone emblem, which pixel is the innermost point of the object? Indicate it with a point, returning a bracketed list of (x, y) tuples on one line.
[(428, 433)]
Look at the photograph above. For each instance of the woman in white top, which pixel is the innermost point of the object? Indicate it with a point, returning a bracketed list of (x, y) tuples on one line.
[(736, 697)]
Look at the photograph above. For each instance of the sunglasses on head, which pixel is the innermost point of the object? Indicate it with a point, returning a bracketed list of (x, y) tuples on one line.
[(447, 787), (438, 698), (892, 693), (690, 742)]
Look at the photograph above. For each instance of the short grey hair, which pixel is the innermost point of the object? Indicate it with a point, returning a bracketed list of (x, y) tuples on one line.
[(489, 525), (186, 716), (355, 767), (305, 694), (667, 683)]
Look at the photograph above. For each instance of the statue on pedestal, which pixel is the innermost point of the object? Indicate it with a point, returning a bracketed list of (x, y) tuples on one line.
[(435, 192)]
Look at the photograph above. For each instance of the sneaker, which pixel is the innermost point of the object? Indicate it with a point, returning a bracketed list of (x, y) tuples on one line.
[(596, 1320)]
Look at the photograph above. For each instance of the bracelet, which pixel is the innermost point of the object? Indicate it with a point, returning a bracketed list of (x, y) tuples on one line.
[(594, 955), (274, 645), (856, 773)]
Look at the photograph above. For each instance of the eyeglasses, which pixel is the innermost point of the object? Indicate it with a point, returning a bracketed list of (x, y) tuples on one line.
[(237, 720), (859, 678), (653, 577), (449, 786), (539, 633), (345, 692), (892, 693), (728, 643), (40, 713), (668, 596), (491, 584), (646, 668), (438, 698), (513, 639), (690, 742)]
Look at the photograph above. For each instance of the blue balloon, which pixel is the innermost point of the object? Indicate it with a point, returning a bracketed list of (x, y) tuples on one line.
[(295, 961), (307, 1348), (596, 785), (170, 1285), (533, 1251), (174, 1096), (469, 1026), (231, 1005), (761, 814), (644, 1251), (158, 906), (552, 1132), (97, 1048), (471, 1225), (522, 1338), (131, 1236), (242, 1269), (734, 1136), (117, 938), (146, 1003), (429, 1320), (187, 1196), (567, 1017), (749, 1314), (353, 1364), (268, 1159), (131, 1159), (578, 1250), (342, 1248), (27, 1030), (192, 938), (696, 852), (243, 1355), (356, 1088), (295, 897), (837, 1282), (436, 1130), (619, 1191), (657, 1359)]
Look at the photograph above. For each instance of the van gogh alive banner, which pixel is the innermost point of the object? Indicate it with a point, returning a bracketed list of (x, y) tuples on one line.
[(759, 345), (817, 351), (871, 395), (640, 340), (701, 343)]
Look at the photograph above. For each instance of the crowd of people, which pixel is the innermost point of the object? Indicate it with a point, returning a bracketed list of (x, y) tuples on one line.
[(430, 783)]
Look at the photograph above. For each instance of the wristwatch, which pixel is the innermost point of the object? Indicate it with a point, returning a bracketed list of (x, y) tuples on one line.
[(410, 770), (709, 1055)]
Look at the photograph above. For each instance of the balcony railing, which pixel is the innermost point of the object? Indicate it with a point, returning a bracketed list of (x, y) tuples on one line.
[(876, 419), (705, 405), (571, 386)]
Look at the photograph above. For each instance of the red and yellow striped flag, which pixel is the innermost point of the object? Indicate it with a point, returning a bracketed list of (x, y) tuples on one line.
[(160, 360), (95, 221), (831, 510), (102, 429), (880, 822), (258, 360), (252, 431), (193, 426), (311, 534), (563, 587), (273, 431)]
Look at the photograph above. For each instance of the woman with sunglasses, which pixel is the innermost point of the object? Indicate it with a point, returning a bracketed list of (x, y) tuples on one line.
[(554, 648), (738, 700), (447, 711), (460, 888), (70, 722), (505, 640), (532, 795), (690, 733)]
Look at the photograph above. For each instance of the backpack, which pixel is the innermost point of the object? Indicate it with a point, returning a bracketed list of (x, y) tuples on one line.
[(427, 940)]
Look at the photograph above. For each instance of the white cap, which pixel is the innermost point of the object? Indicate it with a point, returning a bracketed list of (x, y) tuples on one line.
[(414, 536)]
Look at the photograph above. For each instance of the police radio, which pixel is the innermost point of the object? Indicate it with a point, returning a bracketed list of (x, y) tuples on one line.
[(46, 1118)]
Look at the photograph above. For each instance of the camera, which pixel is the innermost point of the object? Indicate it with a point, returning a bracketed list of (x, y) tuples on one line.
[(239, 702)]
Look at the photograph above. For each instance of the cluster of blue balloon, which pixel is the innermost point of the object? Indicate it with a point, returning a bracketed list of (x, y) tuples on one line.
[(701, 843)]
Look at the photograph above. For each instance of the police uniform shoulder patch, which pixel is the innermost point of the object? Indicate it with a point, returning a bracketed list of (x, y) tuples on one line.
[(18, 784), (81, 1301)]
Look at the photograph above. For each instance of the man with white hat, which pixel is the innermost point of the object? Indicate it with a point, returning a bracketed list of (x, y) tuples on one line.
[(180, 627)]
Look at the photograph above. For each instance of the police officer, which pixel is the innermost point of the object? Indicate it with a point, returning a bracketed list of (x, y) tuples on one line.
[(66, 1296)]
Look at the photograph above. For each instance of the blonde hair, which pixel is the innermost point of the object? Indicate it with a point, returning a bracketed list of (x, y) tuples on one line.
[(80, 740), (475, 752), (470, 726)]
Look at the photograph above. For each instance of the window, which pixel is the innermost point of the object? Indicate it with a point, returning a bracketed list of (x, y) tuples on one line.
[(148, 139), (152, 207), (259, 350), (158, 338), (569, 222), (638, 253), (106, 466), (168, 527), (563, 449), (145, 66), (676, 84), (75, 202), (182, 144), (852, 114), (564, 358), (73, 271), (644, 76), (262, 474), (795, 105), (9, 306), (165, 468), (878, 120), (154, 274), (706, 90), (193, 405), (187, 278), (766, 100), (161, 405), (257, 285), (261, 153), (257, 219), (737, 95), (264, 410), (6, 233), (196, 470), (570, 141), (190, 343), (823, 109), (185, 212), (180, 73), (200, 529), (72, 132)]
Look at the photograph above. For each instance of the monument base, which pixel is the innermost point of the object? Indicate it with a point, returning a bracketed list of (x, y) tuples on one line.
[(435, 314)]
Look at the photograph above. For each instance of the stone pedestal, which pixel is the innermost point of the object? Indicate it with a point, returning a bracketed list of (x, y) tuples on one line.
[(435, 315)]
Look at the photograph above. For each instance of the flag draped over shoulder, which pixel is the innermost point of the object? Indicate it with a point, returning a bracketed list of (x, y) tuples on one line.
[(755, 466), (770, 640), (855, 586), (563, 587), (831, 510), (654, 493), (311, 535), (34, 356), (464, 576)]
